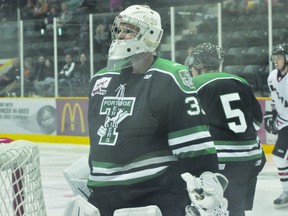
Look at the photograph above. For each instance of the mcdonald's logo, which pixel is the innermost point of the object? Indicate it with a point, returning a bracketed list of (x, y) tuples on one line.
[(72, 114)]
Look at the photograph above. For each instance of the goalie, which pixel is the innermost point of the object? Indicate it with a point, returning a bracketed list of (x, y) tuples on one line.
[(146, 126)]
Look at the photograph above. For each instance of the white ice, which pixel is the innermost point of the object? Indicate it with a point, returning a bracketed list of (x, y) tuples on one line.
[(54, 158)]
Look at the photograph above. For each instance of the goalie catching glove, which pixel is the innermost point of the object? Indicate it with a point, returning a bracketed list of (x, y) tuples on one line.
[(206, 194), (270, 118)]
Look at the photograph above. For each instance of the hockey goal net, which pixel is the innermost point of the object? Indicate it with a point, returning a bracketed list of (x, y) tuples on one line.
[(20, 180)]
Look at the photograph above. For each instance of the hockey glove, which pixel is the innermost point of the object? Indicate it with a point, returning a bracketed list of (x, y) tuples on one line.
[(206, 194), (270, 121)]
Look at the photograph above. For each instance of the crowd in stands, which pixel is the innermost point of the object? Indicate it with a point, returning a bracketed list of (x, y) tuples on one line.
[(73, 40), (38, 9), (35, 9), (39, 77), (73, 44), (238, 7)]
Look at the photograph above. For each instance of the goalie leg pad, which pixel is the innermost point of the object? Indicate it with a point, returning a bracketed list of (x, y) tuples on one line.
[(77, 175), (151, 210), (78, 206)]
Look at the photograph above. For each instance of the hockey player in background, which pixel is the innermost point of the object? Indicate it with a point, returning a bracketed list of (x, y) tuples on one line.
[(278, 123), (146, 126), (234, 116)]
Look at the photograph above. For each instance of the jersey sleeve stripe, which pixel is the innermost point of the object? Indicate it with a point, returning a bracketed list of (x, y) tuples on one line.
[(240, 156), (127, 178), (142, 163), (195, 150), (188, 138)]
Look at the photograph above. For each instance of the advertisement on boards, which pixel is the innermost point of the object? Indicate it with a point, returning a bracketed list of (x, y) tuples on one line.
[(28, 116), (67, 117), (72, 117)]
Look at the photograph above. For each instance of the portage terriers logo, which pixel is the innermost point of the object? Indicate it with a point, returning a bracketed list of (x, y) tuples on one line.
[(100, 85), (116, 110)]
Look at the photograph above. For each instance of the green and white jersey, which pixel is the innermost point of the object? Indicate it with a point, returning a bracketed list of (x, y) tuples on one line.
[(234, 115), (140, 124)]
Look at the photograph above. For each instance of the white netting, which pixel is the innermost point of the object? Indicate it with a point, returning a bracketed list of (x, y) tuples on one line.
[(20, 180)]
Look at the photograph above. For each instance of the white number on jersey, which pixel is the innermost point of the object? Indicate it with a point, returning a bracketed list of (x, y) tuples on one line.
[(194, 106), (233, 113)]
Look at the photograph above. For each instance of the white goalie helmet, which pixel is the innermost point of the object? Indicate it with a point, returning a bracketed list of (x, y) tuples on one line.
[(144, 24)]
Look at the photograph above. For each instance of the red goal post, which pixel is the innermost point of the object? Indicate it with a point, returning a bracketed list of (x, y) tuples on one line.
[(20, 179)]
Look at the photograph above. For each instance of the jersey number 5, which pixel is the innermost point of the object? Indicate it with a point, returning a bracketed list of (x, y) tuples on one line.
[(233, 113)]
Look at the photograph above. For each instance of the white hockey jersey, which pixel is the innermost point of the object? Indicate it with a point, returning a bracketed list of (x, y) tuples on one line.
[(278, 86)]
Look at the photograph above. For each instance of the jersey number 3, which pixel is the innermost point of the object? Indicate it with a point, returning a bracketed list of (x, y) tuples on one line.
[(233, 113)]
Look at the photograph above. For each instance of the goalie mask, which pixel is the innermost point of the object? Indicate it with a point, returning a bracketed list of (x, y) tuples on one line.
[(205, 55), (135, 31)]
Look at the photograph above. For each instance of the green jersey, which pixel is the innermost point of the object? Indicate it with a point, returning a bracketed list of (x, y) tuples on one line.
[(141, 124), (234, 115)]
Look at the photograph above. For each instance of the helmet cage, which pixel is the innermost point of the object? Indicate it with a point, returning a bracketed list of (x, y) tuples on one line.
[(139, 30), (147, 37)]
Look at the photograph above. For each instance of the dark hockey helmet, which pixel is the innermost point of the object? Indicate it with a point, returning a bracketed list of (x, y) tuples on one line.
[(281, 49), (205, 55)]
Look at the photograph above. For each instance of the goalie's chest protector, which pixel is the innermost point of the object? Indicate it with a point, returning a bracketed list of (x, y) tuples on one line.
[(127, 114)]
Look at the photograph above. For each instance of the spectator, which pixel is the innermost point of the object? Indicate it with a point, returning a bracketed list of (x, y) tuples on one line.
[(27, 10), (45, 85), (102, 39), (80, 80), (53, 13), (65, 75), (68, 69), (83, 38), (29, 78), (40, 9), (65, 16), (39, 74)]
